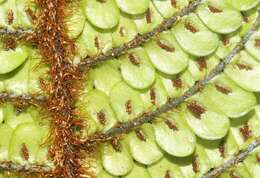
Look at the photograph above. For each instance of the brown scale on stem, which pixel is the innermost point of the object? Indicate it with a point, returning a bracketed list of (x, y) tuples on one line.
[(222, 89), (171, 125), (148, 16), (246, 132), (189, 26), (214, 9), (167, 174), (140, 134), (195, 109), (164, 46)]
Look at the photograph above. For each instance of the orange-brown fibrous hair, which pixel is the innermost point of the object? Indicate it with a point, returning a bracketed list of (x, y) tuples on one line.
[(56, 49)]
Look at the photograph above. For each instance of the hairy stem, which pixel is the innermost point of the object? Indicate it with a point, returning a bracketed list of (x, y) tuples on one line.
[(139, 39), (28, 168), (233, 161), (15, 33), (35, 100), (174, 102)]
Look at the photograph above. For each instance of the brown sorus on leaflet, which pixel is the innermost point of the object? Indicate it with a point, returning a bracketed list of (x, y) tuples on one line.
[(164, 46), (245, 131), (148, 16), (116, 144), (202, 63), (167, 174), (140, 134), (10, 16), (153, 96), (9, 43), (233, 175), (174, 3), (134, 59), (177, 82), (101, 116), (25, 152), (258, 157), (189, 26), (257, 42), (222, 89), (221, 149), (171, 125), (56, 49), (195, 109), (244, 66), (214, 9), (128, 107), (195, 163)]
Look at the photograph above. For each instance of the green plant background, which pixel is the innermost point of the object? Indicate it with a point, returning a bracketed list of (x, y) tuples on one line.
[(97, 27)]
